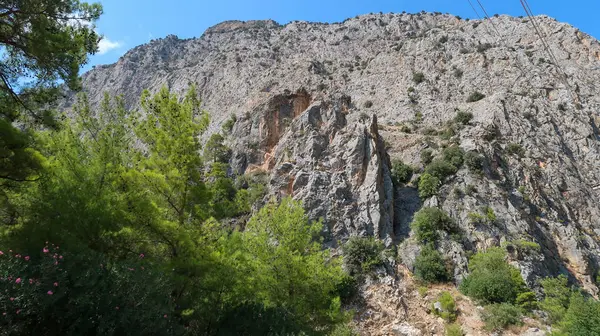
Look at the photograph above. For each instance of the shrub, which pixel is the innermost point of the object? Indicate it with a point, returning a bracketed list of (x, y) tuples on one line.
[(527, 301), (428, 221), (463, 117), (515, 149), (501, 315), (448, 307), (448, 133), (475, 96), (430, 131), (426, 156), (490, 215), (582, 317), (362, 255), (430, 266), (454, 330), (440, 169), (526, 246), (454, 156), (556, 297), (368, 104), (423, 291), (401, 172), (418, 77), (343, 330), (55, 292), (475, 218), (491, 278), (474, 161), (429, 185), (229, 123)]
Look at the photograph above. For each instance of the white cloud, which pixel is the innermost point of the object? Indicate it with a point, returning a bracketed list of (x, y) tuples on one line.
[(105, 45)]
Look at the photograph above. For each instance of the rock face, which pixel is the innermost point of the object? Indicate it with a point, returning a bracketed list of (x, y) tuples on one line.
[(324, 108)]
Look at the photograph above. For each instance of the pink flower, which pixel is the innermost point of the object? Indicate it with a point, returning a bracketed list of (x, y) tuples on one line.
[(165, 316), (30, 281), (18, 280), (18, 311), (1, 253), (56, 284), (59, 257), (12, 299), (56, 263), (117, 308), (26, 258), (142, 255), (17, 256), (50, 293), (45, 250), (131, 269), (4, 314)]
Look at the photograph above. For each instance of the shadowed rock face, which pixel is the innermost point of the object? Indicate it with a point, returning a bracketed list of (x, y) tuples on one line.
[(323, 107)]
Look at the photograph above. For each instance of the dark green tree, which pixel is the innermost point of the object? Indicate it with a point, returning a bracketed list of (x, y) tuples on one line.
[(43, 42)]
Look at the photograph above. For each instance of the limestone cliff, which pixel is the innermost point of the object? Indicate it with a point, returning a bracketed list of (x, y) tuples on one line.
[(324, 108)]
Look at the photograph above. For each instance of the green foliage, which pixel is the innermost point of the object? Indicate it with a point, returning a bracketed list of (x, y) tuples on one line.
[(490, 215), (295, 273), (454, 329), (500, 316), (428, 185), (418, 77), (362, 255), (526, 246), (440, 169), (557, 295), (454, 156), (135, 211), (426, 156), (423, 291), (448, 307), (401, 172), (343, 330), (474, 161), (428, 221), (229, 123), (492, 279), (430, 266), (47, 293), (463, 117), (515, 149), (527, 301), (488, 218), (475, 96), (568, 310), (215, 150), (582, 318), (40, 49)]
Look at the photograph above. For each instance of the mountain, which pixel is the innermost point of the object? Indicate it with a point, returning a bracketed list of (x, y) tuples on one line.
[(326, 109)]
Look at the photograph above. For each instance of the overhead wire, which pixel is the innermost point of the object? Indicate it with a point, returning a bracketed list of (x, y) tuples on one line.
[(561, 72), (500, 37)]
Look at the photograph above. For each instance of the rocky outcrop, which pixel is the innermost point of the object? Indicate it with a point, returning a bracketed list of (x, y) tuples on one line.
[(323, 109)]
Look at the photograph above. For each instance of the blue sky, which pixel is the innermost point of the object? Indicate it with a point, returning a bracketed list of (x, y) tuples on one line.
[(128, 23)]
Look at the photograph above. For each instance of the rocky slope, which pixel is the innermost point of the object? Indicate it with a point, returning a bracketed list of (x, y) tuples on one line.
[(325, 108)]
